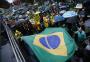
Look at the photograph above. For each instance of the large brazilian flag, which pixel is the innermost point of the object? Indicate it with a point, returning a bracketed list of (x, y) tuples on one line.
[(52, 45)]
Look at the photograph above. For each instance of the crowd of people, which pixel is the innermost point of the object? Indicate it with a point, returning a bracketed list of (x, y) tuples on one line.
[(77, 31), (75, 26)]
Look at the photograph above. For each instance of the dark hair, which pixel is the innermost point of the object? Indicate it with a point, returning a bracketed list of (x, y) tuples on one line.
[(83, 27)]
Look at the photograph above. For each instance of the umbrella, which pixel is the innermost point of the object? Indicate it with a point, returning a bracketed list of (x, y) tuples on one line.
[(72, 20), (62, 12), (87, 23), (53, 44), (58, 18), (69, 14), (79, 6)]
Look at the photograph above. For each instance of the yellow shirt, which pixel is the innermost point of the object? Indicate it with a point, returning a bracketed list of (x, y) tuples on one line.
[(45, 22), (37, 25), (36, 17), (52, 20)]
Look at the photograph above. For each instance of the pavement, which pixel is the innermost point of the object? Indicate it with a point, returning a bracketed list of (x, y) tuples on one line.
[(7, 53)]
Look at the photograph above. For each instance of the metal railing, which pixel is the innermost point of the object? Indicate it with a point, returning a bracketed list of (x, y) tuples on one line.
[(18, 55)]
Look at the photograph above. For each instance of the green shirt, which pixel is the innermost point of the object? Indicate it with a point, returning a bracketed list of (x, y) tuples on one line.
[(81, 35)]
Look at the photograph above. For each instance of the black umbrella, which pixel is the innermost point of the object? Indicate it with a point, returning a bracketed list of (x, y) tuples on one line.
[(72, 20)]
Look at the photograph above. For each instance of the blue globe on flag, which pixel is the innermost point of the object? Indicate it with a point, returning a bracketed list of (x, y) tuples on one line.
[(50, 42)]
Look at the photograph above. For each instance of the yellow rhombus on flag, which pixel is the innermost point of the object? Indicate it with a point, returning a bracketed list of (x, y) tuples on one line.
[(60, 50)]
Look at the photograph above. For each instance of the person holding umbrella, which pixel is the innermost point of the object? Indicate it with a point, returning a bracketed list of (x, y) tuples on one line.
[(71, 17)]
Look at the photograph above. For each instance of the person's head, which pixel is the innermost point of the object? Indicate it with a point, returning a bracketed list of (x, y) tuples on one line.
[(80, 29)]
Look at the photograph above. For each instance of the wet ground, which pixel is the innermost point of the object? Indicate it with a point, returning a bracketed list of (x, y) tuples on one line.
[(6, 52)]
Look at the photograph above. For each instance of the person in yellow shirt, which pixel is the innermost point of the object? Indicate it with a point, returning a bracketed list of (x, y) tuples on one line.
[(52, 19), (36, 26), (45, 21)]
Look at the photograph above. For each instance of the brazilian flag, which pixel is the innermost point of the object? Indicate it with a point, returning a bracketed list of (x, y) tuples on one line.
[(52, 45)]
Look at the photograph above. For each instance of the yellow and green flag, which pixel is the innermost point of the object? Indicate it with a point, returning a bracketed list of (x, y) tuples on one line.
[(52, 45)]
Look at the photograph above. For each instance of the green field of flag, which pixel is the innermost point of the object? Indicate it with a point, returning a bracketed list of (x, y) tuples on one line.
[(51, 45)]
